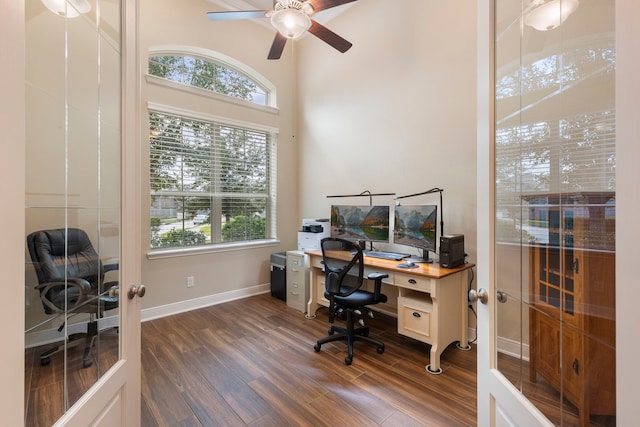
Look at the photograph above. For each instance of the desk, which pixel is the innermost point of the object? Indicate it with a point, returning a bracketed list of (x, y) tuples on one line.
[(430, 301)]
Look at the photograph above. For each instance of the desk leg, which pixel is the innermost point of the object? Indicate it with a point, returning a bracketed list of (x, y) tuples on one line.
[(434, 357), (449, 298), (463, 344)]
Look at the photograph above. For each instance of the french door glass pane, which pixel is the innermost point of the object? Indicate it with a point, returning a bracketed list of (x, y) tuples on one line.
[(555, 205)]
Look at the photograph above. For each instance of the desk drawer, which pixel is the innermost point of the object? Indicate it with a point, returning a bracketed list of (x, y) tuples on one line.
[(412, 281), (316, 262), (297, 296), (414, 318)]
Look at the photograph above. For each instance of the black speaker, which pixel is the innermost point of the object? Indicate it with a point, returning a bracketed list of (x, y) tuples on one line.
[(451, 250)]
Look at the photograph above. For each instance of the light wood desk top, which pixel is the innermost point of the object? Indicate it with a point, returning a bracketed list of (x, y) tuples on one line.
[(431, 270)]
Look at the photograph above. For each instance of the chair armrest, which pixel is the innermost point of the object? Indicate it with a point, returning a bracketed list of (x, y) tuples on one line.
[(83, 287), (111, 267), (377, 278)]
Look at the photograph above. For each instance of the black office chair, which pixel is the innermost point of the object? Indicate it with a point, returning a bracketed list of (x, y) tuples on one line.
[(343, 292), (71, 278)]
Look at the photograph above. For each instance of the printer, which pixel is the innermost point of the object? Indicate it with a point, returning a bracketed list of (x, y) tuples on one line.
[(312, 232)]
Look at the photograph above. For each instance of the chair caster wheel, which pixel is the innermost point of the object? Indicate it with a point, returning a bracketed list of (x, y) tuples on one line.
[(45, 361), (348, 360), (87, 363), (316, 347), (380, 349), (331, 332)]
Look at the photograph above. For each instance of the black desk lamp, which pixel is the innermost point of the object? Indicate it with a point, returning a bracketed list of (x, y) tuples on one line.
[(364, 193)]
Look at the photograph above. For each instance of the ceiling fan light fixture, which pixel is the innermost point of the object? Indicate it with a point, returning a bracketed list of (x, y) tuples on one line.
[(68, 8), (291, 23), (550, 14)]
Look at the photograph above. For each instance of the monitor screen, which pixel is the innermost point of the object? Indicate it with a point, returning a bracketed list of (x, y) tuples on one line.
[(416, 225), (369, 223)]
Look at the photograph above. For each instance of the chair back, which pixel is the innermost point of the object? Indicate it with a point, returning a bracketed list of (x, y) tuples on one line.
[(338, 281), (60, 253), (58, 256)]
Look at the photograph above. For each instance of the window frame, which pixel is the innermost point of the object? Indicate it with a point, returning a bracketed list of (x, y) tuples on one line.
[(218, 59), (271, 222), (271, 161)]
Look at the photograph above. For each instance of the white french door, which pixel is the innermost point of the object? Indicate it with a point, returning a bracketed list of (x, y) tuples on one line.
[(500, 402), (115, 399)]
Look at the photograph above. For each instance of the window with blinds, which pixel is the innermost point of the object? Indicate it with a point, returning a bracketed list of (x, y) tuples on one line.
[(211, 182), (543, 148)]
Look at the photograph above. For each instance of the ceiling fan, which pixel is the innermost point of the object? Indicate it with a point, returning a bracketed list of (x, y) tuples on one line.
[(292, 19)]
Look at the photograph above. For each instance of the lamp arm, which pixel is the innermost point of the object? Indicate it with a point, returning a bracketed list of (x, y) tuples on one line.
[(364, 193), (433, 190)]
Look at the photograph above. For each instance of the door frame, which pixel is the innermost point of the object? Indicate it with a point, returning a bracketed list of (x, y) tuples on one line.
[(12, 171)]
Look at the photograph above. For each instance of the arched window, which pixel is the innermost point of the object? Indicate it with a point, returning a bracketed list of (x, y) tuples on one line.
[(212, 72), (212, 178)]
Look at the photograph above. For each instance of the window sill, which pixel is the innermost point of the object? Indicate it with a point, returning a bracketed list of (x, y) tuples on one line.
[(221, 247)]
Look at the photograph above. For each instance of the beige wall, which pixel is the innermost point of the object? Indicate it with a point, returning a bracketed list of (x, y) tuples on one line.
[(393, 114), (179, 22), (396, 113)]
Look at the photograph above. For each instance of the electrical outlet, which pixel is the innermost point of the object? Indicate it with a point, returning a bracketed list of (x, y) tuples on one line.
[(191, 282)]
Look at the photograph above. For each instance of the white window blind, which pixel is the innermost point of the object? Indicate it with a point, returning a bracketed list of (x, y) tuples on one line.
[(211, 182)]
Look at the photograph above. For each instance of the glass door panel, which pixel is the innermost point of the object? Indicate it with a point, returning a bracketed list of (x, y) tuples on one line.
[(555, 206), (73, 182)]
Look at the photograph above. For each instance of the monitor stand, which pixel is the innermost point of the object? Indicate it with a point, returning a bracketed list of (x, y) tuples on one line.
[(425, 258)]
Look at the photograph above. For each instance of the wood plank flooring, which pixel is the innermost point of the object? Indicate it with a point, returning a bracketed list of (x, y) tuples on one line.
[(251, 363), (45, 385)]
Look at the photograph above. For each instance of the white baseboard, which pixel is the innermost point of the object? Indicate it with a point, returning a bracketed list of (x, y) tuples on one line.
[(33, 339), (49, 336), (507, 346), (513, 348), (193, 304)]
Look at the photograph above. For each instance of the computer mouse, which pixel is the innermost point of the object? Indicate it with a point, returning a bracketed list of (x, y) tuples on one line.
[(407, 264)]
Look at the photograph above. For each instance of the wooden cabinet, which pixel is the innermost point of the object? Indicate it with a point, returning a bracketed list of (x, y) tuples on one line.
[(572, 297)]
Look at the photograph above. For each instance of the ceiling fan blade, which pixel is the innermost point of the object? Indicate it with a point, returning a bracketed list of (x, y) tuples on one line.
[(329, 37), (277, 46), (319, 5), (237, 14)]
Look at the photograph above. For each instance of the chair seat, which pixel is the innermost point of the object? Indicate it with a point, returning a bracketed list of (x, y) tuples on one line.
[(342, 289), (357, 299)]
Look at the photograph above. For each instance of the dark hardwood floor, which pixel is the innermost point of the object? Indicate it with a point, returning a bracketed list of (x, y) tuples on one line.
[(251, 363), (45, 385)]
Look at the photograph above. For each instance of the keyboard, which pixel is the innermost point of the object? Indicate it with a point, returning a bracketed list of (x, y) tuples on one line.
[(385, 255)]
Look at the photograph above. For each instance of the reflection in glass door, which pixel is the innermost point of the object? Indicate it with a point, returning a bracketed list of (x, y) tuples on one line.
[(73, 205), (555, 205)]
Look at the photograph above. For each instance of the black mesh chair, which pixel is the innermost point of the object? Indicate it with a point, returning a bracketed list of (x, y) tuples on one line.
[(342, 289), (71, 279)]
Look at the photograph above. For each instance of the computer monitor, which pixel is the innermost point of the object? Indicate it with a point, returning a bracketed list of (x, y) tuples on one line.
[(416, 225), (361, 223)]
